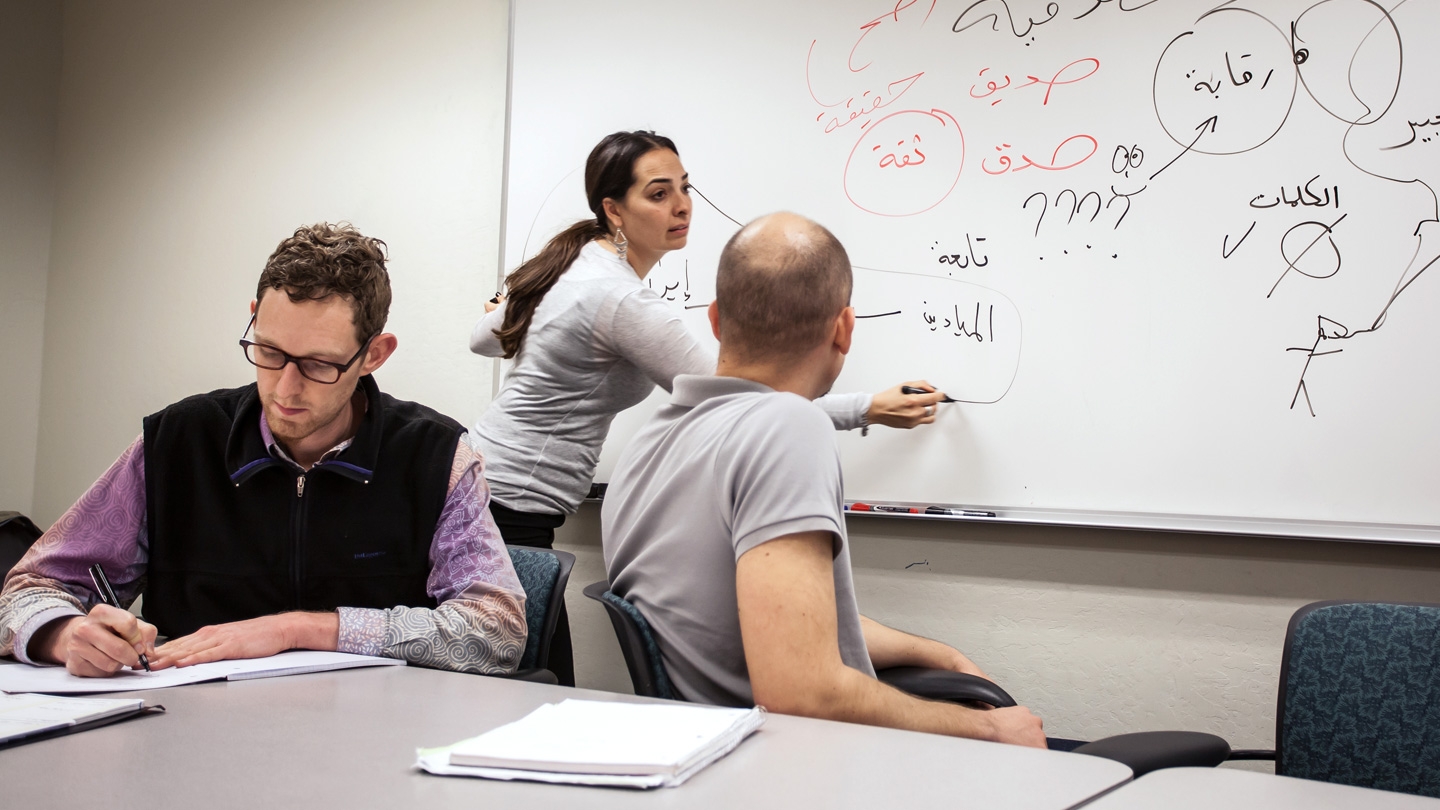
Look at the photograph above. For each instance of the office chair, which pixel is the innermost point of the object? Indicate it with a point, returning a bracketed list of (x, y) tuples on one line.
[(647, 673), (17, 534), (1359, 699), (543, 574), (1142, 751)]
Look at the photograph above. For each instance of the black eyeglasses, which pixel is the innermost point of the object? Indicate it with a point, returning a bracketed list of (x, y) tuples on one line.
[(320, 371)]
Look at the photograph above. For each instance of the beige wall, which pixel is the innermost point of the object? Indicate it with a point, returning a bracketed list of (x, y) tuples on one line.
[(195, 134), (29, 92)]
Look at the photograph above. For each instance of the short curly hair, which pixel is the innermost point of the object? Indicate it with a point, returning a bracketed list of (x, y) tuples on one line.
[(322, 260)]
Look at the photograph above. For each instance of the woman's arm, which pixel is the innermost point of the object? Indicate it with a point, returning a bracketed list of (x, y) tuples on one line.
[(650, 333), (482, 337)]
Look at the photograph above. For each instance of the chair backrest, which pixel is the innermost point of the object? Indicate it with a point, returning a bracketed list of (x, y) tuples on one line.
[(17, 534), (637, 643), (1360, 696), (543, 574)]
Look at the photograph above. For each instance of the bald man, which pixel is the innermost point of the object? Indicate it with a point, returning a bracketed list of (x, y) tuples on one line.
[(723, 520)]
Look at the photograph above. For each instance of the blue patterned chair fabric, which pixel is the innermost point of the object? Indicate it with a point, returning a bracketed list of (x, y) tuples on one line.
[(1360, 696), (652, 650), (537, 571)]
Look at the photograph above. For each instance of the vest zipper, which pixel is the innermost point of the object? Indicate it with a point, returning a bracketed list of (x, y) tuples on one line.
[(297, 535)]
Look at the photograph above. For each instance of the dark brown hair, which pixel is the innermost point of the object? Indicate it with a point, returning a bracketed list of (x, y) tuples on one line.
[(322, 260), (609, 173), (779, 296)]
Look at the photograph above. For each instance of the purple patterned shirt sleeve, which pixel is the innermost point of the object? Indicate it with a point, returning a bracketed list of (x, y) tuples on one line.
[(479, 625), (52, 580)]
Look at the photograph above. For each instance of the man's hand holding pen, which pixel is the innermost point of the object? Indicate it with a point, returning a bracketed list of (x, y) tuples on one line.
[(97, 645)]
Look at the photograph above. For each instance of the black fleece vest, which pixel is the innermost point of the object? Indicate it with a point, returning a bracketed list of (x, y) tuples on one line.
[(235, 534)]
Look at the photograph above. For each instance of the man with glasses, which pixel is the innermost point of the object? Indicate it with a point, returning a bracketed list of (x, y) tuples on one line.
[(305, 511)]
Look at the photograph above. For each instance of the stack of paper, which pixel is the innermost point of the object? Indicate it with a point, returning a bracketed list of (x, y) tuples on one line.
[(600, 743), (27, 715)]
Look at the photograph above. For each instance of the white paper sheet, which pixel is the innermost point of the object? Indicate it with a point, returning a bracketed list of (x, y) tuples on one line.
[(56, 681)]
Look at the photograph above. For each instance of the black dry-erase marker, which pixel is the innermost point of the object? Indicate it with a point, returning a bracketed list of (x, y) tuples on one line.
[(942, 510), (910, 389), (107, 595)]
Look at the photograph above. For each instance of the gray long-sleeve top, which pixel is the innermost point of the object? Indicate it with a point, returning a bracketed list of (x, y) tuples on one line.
[(599, 342)]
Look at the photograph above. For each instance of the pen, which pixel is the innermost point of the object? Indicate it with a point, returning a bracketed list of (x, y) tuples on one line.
[(902, 509), (910, 389), (107, 595), (941, 510)]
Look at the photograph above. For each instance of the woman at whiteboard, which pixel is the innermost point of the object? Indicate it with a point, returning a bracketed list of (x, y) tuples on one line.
[(589, 339)]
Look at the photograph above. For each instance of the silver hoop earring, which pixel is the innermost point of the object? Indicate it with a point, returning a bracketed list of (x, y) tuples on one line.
[(621, 244)]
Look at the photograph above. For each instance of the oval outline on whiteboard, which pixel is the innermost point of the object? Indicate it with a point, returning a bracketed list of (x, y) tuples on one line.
[(933, 112), (1019, 318)]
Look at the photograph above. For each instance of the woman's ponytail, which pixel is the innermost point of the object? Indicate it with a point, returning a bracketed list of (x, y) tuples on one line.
[(609, 173)]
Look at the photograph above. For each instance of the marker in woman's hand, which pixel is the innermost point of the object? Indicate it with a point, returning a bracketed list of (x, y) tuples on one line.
[(910, 389)]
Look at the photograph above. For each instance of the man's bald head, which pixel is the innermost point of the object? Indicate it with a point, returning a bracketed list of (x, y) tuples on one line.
[(782, 281)]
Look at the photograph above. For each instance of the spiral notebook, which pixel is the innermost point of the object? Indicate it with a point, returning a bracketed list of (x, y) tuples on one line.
[(28, 717)]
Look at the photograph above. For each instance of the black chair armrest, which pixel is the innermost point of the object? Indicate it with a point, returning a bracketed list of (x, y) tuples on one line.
[(1146, 751), (941, 684), (535, 675)]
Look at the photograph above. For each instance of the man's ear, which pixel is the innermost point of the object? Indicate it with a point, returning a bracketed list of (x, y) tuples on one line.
[(379, 351), (844, 329), (254, 305), (714, 311)]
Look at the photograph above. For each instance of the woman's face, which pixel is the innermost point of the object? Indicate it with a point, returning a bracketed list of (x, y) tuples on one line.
[(655, 214)]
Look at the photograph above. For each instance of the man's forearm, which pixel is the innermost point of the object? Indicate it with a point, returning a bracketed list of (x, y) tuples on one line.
[(850, 696), (46, 645), (892, 648), (484, 634), (27, 608), (310, 631)]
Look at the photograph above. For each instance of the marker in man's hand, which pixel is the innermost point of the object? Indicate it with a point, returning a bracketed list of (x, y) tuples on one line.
[(910, 389)]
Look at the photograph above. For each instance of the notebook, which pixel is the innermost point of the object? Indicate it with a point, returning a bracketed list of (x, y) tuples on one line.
[(56, 681), (23, 716), (601, 743)]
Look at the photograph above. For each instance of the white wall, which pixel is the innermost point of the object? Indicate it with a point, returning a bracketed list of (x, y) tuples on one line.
[(1099, 632), (29, 91), (194, 135)]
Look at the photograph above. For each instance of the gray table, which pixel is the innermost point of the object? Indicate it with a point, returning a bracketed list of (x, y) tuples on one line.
[(347, 740), (1228, 789)]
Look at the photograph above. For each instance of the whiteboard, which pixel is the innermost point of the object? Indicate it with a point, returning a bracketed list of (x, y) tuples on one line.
[(1171, 257)]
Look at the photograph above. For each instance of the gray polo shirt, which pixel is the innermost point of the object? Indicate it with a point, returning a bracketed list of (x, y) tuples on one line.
[(727, 465)]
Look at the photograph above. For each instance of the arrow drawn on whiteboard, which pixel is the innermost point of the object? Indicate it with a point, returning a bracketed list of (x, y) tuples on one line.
[(1208, 122)]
